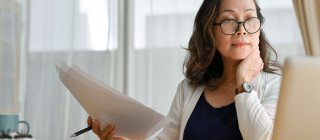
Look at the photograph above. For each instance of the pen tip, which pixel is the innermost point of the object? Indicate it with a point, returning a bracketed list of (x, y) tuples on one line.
[(73, 135)]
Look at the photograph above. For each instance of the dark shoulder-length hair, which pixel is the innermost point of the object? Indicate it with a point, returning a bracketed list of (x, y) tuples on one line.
[(203, 62)]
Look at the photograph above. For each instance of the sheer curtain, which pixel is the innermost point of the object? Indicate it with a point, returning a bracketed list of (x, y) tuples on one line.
[(80, 32), (282, 29), (10, 48), (161, 29)]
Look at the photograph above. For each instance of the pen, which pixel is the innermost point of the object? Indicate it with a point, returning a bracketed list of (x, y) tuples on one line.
[(81, 131)]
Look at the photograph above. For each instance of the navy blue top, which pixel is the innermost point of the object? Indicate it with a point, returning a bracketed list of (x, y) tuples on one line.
[(209, 123)]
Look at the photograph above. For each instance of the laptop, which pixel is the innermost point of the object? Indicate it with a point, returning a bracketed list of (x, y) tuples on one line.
[(298, 111)]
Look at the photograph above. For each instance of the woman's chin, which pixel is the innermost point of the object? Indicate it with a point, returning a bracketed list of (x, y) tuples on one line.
[(239, 57), (236, 56)]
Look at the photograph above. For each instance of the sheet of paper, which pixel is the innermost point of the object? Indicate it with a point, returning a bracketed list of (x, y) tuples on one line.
[(107, 105)]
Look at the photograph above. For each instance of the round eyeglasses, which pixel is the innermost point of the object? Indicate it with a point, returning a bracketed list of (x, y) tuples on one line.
[(231, 26)]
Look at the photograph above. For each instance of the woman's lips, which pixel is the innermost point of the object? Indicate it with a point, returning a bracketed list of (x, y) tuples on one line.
[(240, 44)]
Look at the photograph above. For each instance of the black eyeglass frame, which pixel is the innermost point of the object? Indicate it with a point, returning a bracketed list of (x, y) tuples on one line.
[(239, 25)]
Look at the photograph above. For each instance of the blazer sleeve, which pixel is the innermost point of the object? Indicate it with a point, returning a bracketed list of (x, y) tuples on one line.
[(255, 116), (172, 130)]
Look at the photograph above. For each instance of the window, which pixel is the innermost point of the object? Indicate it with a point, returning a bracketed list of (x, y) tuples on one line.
[(282, 28), (59, 25)]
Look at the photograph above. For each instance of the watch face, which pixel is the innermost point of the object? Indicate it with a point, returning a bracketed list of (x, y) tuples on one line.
[(247, 87)]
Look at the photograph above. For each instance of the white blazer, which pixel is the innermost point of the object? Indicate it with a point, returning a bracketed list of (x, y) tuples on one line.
[(255, 111)]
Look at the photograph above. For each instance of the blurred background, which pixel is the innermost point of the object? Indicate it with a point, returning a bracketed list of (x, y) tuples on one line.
[(135, 46)]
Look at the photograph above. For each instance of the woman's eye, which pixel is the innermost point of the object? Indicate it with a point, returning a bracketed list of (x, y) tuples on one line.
[(228, 19), (251, 17)]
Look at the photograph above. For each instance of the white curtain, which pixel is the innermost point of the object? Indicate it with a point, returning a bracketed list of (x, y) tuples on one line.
[(10, 17), (161, 29), (282, 28), (80, 32)]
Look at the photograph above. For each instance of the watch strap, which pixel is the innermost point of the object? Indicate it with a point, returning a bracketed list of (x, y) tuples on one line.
[(239, 90)]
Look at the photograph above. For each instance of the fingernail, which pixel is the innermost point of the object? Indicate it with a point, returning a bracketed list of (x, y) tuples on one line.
[(114, 130)]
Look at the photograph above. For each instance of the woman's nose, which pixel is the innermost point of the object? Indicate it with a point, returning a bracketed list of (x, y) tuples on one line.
[(241, 30)]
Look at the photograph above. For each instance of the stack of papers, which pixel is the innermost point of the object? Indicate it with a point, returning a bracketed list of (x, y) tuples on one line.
[(107, 105)]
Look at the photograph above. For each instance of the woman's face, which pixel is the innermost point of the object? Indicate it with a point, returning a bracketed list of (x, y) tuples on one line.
[(240, 10)]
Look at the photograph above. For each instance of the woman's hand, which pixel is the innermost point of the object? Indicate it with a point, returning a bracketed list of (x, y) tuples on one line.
[(249, 67), (105, 134)]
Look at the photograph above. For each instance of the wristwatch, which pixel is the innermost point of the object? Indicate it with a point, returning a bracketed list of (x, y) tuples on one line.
[(245, 87)]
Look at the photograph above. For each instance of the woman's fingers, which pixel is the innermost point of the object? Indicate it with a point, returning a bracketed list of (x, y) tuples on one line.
[(119, 138), (249, 67), (107, 131), (95, 128), (111, 133), (89, 121), (257, 59), (105, 134)]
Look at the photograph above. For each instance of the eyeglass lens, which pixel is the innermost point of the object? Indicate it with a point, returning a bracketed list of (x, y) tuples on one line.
[(251, 25)]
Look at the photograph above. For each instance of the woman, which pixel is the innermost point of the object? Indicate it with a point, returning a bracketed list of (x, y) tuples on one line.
[(230, 90)]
